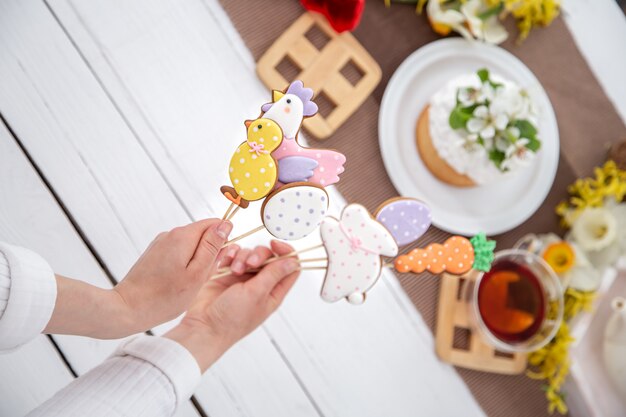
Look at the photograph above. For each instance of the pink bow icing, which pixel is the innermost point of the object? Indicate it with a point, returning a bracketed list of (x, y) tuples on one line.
[(355, 243), (258, 148)]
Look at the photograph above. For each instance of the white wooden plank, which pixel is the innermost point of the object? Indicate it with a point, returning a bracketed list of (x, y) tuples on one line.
[(29, 376), (112, 44), (119, 199), (31, 217), (369, 360), (336, 350)]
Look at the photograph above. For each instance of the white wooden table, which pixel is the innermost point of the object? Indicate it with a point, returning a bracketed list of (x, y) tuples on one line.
[(106, 107)]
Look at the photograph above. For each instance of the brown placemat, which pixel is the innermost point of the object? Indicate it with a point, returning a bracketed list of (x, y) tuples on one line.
[(588, 124)]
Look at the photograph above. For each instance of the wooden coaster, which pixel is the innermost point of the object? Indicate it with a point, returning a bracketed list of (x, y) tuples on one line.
[(340, 71), (458, 344)]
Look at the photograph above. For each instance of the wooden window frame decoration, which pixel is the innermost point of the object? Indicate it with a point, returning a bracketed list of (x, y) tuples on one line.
[(321, 70), (452, 314)]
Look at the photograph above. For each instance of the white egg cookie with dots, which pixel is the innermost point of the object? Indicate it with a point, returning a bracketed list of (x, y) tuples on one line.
[(294, 211), (252, 170)]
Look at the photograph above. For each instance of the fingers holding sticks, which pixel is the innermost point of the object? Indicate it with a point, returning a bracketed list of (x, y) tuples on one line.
[(225, 271), (257, 270)]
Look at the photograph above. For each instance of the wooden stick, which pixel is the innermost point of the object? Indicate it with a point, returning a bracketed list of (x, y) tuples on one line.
[(310, 248), (248, 233), (220, 275), (313, 268), (288, 255), (291, 254), (257, 270), (232, 214), (389, 265), (228, 211), (313, 260)]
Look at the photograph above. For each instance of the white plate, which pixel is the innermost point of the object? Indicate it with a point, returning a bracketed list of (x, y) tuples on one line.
[(493, 208)]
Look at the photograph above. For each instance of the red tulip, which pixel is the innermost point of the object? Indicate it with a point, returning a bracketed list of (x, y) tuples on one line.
[(341, 14)]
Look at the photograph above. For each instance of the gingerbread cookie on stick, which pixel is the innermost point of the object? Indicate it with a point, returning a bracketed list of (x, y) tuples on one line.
[(295, 162), (253, 171), (355, 244), (294, 211), (274, 159), (407, 219), (457, 255)]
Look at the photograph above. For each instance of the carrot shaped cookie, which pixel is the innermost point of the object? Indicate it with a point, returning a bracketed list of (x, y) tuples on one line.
[(457, 255)]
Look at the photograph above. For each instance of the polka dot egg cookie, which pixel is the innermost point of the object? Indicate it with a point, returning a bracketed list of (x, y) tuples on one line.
[(406, 219), (294, 211), (252, 170)]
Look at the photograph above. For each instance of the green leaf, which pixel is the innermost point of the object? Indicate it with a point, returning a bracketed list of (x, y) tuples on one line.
[(483, 74), (509, 136), (496, 156), (459, 117), (491, 11), (526, 129), (483, 252), (529, 131), (533, 144)]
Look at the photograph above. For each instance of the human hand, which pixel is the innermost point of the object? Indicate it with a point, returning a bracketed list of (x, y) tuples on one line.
[(228, 308), (168, 275)]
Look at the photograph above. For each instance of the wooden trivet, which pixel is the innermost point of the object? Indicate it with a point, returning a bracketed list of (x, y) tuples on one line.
[(322, 70), (474, 353)]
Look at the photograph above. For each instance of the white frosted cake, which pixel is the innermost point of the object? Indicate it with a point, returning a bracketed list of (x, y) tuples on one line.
[(477, 129)]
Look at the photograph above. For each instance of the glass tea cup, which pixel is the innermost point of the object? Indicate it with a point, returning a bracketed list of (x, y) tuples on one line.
[(518, 305)]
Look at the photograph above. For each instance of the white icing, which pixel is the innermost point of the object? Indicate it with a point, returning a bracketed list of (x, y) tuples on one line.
[(353, 271), (474, 163), (287, 115), (356, 298), (294, 212)]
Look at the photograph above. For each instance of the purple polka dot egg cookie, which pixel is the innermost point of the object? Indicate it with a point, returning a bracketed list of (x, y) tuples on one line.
[(406, 219)]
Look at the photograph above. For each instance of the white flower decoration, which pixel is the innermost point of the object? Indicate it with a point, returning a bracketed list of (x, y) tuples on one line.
[(609, 254), (595, 229), (503, 141), (515, 102), (489, 30), (619, 212), (470, 96), (517, 155), (450, 17), (486, 122)]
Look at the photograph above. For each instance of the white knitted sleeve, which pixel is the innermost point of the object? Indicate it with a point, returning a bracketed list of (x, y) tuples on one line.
[(147, 376), (27, 295)]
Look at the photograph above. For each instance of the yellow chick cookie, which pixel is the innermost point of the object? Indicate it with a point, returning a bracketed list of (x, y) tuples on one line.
[(253, 171)]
